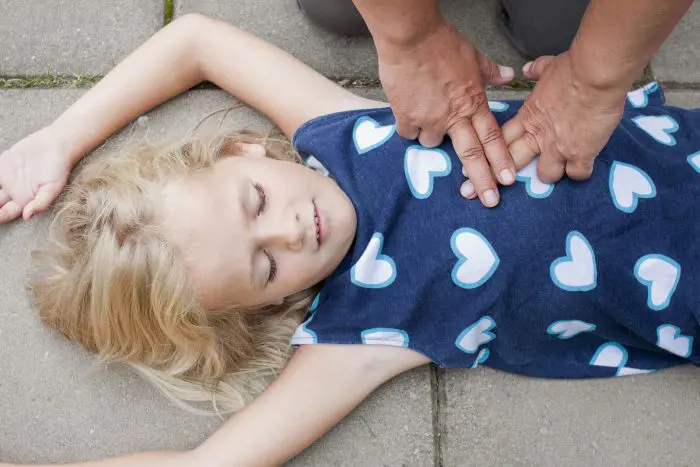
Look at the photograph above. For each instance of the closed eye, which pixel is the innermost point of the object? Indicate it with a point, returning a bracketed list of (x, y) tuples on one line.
[(261, 196), (273, 267)]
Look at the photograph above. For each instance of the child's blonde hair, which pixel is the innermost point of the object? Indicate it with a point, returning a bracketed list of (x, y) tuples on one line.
[(110, 280)]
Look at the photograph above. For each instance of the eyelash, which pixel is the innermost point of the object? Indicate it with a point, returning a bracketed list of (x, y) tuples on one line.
[(261, 208), (261, 195)]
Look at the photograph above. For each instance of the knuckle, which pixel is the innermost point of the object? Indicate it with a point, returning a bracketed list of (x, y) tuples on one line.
[(471, 155)]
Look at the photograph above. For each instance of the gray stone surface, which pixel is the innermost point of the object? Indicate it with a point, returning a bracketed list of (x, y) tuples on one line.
[(491, 418), (677, 61), (687, 99), (281, 23), (73, 37), (56, 407)]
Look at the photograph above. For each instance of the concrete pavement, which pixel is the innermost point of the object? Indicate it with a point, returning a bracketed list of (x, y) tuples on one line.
[(56, 407)]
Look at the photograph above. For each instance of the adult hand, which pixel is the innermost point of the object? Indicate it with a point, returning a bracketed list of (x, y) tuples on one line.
[(436, 87), (565, 120), (32, 174)]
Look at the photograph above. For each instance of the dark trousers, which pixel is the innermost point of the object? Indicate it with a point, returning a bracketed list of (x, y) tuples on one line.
[(534, 27)]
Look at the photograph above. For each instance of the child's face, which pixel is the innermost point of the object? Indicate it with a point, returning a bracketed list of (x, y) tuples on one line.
[(248, 228)]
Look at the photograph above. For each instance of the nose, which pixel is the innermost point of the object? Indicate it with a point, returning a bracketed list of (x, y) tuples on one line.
[(283, 233)]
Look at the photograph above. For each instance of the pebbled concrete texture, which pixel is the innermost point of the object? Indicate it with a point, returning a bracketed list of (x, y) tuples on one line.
[(56, 406), (282, 23), (678, 59), (84, 37)]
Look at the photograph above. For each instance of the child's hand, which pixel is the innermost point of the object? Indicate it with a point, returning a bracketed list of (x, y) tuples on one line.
[(32, 174)]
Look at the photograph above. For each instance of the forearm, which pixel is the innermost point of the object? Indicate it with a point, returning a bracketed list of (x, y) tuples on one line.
[(617, 38), (402, 23), (163, 67)]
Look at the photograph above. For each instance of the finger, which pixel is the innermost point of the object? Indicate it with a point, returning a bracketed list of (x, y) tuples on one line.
[(524, 150), (10, 212), (430, 138), (4, 198), (42, 200), (579, 169), (406, 130), (513, 129), (535, 69), (550, 167), (491, 138), (470, 152), (495, 74), (467, 190)]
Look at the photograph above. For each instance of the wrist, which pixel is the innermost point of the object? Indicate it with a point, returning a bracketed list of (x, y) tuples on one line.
[(598, 71), (69, 140)]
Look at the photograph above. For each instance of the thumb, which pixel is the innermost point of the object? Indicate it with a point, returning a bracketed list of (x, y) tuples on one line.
[(43, 199), (495, 74), (535, 70)]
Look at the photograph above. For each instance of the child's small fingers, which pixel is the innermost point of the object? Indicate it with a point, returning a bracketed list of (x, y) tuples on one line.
[(9, 212), (42, 200), (4, 198)]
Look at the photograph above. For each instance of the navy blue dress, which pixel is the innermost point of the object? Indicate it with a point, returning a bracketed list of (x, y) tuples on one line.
[(572, 280)]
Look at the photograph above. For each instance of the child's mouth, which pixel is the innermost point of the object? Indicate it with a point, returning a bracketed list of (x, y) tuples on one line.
[(320, 233)]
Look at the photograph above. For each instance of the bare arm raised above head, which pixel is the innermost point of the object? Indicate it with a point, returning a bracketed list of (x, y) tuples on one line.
[(320, 386), (192, 49)]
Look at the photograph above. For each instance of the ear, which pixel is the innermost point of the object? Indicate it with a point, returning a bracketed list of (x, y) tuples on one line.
[(251, 150)]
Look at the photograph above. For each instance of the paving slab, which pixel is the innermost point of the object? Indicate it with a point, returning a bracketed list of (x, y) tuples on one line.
[(489, 418), (282, 23), (56, 407), (678, 58), (75, 37), (686, 99)]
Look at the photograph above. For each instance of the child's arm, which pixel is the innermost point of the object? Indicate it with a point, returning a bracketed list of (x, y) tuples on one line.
[(320, 385), (190, 50)]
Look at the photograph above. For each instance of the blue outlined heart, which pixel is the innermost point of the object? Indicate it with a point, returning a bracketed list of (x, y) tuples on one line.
[(385, 336), (660, 274), (316, 165), (498, 106), (476, 258), (368, 134), (533, 185), (481, 358), (475, 335), (613, 355), (577, 271), (670, 338), (694, 161), (373, 270), (421, 166), (658, 127), (640, 97), (627, 184), (566, 329)]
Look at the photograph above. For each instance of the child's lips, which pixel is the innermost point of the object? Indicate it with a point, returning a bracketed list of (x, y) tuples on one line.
[(320, 224)]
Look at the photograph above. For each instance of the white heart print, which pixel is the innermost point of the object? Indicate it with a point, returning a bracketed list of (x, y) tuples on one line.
[(421, 166), (315, 164), (627, 184), (303, 335), (640, 97), (476, 335), (477, 260), (566, 329), (481, 358), (669, 338), (613, 355), (497, 106), (369, 134), (694, 161), (385, 336), (661, 275), (533, 185), (373, 270), (658, 127), (575, 272)]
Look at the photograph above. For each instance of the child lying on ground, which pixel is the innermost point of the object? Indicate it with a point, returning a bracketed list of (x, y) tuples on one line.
[(195, 262)]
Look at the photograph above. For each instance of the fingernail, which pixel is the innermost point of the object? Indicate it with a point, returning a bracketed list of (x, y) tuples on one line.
[(526, 67), (467, 189), (506, 72), (507, 177), (490, 198)]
